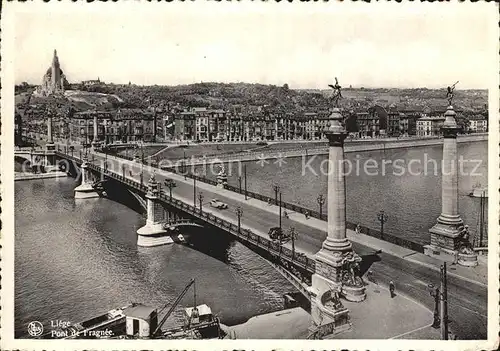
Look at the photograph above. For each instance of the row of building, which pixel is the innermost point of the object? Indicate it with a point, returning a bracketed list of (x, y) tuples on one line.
[(202, 125), (208, 125)]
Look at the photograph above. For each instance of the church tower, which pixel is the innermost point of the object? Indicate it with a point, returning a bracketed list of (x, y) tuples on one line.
[(56, 73)]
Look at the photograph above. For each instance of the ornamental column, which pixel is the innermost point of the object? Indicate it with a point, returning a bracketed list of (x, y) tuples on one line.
[(448, 235), (50, 147), (337, 271), (154, 232), (95, 139)]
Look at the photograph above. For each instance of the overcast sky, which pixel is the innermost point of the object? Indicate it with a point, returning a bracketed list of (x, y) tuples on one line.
[(379, 48)]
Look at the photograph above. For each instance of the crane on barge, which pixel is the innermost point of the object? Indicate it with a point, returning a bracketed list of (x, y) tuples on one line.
[(157, 332)]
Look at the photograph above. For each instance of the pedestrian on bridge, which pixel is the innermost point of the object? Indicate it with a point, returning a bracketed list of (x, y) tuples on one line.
[(392, 288), (306, 214), (369, 276), (358, 229)]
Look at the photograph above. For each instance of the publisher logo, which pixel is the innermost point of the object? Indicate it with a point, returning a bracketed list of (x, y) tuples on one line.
[(35, 328)]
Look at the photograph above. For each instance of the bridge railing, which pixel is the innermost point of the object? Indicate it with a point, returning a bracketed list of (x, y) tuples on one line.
[(303, 210)]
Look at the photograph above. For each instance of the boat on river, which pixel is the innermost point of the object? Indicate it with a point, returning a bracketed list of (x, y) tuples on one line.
[(137, 320)]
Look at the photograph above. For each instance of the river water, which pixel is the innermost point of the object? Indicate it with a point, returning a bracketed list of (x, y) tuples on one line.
[(76, 259), (409, 190)]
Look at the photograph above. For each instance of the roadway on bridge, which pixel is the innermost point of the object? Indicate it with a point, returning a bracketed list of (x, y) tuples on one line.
[(467, 302)]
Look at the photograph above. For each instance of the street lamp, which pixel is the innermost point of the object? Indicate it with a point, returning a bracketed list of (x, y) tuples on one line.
[(194, 191), (169, 183), (441, 295), (239, 181), (200, 197), (123, 170), (280, 210), (142, 176), (105, 160), (321, 201), (293, 236), (382, 217), (276, 189), (245, 173), (239, 213), (434, 292)]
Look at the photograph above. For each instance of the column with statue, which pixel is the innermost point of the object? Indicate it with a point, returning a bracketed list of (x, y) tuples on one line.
[(337, 265), (449, 236)]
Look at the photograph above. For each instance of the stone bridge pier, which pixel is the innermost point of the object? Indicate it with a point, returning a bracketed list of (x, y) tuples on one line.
[(153, 232), (86, 189)]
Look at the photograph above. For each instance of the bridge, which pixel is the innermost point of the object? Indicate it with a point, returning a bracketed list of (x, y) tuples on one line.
[(35, 155), (248, 220), (291, 262), (357, 145)]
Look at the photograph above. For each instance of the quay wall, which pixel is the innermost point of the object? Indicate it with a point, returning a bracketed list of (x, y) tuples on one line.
[(349, 146), (32, 176), (396, 144)]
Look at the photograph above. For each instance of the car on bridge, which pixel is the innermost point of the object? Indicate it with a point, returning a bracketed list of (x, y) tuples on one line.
[(218, 204), (277, 234)]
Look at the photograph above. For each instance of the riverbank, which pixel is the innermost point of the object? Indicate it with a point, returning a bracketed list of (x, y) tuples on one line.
[(199, 155), (18, 176)]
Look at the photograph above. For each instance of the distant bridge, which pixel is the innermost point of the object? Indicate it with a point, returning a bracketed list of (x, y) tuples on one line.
[(356, 145)]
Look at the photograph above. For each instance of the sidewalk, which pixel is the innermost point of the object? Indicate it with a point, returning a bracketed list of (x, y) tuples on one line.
[(383, 317), (476, 275), (378, 317)]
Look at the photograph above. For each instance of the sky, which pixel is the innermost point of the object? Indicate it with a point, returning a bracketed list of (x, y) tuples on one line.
[(377, 48)]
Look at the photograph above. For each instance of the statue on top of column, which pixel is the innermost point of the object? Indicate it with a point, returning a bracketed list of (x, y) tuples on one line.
[(449, 94), (337, 93)]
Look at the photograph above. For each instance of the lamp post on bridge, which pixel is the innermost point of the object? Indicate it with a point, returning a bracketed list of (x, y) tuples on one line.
[(321, 201), (280, 209), (184, 165), (169, 183), (440, 294), (105, 159), (293, 236), (434, 292), (239, 181), (123, 170), (200, 197), (142, 175), (239, 213), (382, 217), (276, 189), (245, 173), (194, 191)]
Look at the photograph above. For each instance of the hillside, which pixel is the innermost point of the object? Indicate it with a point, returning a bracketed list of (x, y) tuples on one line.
[(226, 95), (249, 97)]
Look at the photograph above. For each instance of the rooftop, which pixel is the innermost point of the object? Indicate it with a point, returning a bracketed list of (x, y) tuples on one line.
[(139, 311), (203, 310)]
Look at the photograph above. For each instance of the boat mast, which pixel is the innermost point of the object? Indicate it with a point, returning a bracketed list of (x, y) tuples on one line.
[(482, 219)]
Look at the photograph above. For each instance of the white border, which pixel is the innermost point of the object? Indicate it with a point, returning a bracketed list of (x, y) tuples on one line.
[(7, 161)]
